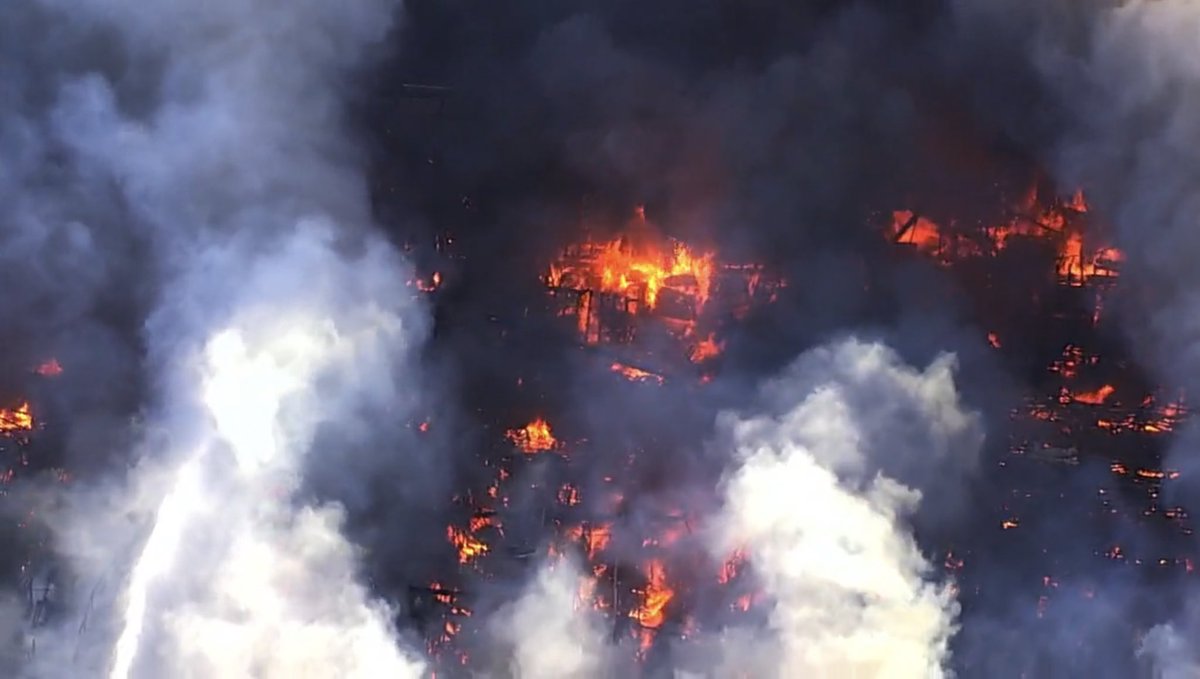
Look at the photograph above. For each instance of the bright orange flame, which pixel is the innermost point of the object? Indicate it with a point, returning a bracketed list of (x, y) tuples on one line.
[(655, 597), (638, 268), (533, 438), (469, 547), (706, 349), (1096, 397), (16, 419), (636, 374), (49, 368)]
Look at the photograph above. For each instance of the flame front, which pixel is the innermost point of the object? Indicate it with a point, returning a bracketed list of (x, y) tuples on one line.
[(638, 268)]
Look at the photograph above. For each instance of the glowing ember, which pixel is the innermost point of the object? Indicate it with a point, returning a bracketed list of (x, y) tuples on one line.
[(16, 419), (994, 340), (636, 374), (469, 547), (533, 438), (1009, 524), (1096, 397), (49, 368), (431, 285)]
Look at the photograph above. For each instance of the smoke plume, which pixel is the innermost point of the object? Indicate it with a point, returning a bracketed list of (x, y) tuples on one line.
[(274, 314), (813, 495)]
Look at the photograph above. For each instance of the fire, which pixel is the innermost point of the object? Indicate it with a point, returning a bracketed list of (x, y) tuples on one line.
[(533, 438), (732, 567), (639, 266), (49, 368), (469, 547), (655, 597), (1096, 397), (1077, 262), (994, 340), (16, 419), (706, 349), (595, 537), (431, 285), (636, 374)]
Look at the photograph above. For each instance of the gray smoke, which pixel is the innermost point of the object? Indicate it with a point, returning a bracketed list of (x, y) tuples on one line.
[(1130, 89), (214, 136)]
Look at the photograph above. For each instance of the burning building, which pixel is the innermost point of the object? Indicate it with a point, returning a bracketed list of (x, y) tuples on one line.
[(735, 340)]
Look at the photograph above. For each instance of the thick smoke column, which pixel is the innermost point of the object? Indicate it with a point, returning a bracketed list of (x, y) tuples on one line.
[(278, 314), (273, 587)]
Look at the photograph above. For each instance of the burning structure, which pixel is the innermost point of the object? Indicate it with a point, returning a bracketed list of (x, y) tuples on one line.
[(712, 341)]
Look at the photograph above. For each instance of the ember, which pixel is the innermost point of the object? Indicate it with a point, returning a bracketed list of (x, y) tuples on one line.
[(49, 368)]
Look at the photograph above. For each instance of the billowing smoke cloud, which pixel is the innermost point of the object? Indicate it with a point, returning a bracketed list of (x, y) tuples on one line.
[(548, 631), (276, 314), (814, 495)]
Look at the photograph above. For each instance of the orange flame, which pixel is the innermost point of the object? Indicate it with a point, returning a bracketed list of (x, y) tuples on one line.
[(655, 597), (636, 374), (1096, 397), (637, 267), (706, 349), (469, 547), (533, 438), (16, 419), (1076, 263)]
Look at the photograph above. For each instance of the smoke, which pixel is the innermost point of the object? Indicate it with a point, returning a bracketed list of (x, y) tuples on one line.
[(1125, 84), (275, 314), (827, 527), (547, 632), (827, 530)]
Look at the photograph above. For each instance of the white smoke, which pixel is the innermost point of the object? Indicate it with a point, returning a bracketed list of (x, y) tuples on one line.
[(234, 580), (279, 313), (852, 596), (549, 632)]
